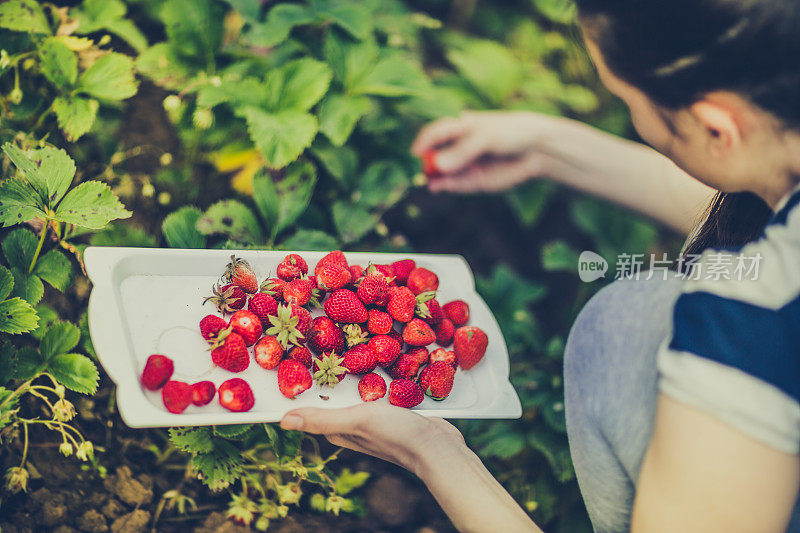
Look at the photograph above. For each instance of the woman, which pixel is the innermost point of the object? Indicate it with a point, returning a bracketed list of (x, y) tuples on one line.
[(699, 432)]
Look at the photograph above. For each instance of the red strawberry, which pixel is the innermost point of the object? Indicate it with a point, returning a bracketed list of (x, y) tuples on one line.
[(402, 304), (379, 323), (418, 333), (422, 280), (371, 387), (293, 378), (405, 393), (396, 335), (227, 298), (240, 273), (457, 311), (336, 257), (356, 272), (231, 353), (428, 308), (176, 396), (429, 166), (402, 269), (157, 371), (469, 344), (324, 336), (211, 326), (436, 380), (344, 306), (248, 325), (406, 367), (360, 359), (420, 354), (444, 332), (274, 287), (372, 288), (286, 325), (263, 305), (298, 291), (387, 349), (332, 277), (292, 267), (268, 352), (236, 395), (440, 354), (203, 392), (328, 369), (386, 270), (301, 354)]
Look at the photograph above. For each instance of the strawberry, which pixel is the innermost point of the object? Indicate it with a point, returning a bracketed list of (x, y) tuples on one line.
[(405, 393), (301, 354), (236, 395), (344, 306), (263, 305), (386, 270), (274, 287), (292, 267), (293, 378), (469, 344), (440, 354), (371, 387), (387, 349), (211, 326), (396, 335), (176, 396), (336, 257), (354, 334), (373, 288), (328, 369), (418, 333), (356, 272), (239, 272), (428, 308), (303, 319), (436, 380), (402, 269), (227, 298), (360, 359), (379, 323), (402, 304), (324, 336), (268, 351), (298, 291), (248, 325), (457, 311), (420, 354), (444, 332), (157, 371), (406, 367), (203, 392), (332, 277), (422, 280), (285, 326), (429, 166), (231, 353)]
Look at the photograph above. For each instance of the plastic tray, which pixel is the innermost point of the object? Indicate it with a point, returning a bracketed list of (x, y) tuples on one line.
[(147, 301)]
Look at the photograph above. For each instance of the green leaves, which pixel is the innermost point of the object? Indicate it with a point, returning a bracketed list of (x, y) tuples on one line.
[(23, 15), (490, 67), (339, 114), (281, 136), (19, 248), (48, 170), (109, 78), (180, 228), (96, 15), (352, 221), (90, 205), (75, 115), (194, 28), (59, 63), (231, 218), (17, 316), (305, 82), (281, 203)]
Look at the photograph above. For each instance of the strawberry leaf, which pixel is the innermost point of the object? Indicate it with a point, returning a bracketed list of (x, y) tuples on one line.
[(306, 81), (192, 439), (19, 202), (311, 240), (6, 282), (29, 363), (339, 114), (59, 338), (382, 185), (162, 63), (95, 15), (28, 287), (280, 136), (91, 205), (111, 77), (231, 218), (232, 431), (23, 15), (19, 246), (180, 228), (75, 115), (280, 21), (195, 27), (17, 316), (54, 268), (48, 170), (352, 221), (221, 466), (75, 371), (281, 203)]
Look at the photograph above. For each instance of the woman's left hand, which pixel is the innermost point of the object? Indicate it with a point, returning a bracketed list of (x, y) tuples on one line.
[(384, 431)]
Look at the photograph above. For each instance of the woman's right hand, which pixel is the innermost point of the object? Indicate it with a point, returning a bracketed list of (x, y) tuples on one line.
[(488, 151)]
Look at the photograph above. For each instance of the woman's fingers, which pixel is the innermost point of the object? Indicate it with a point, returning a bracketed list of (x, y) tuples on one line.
[(490, 177), (437, 133), (324, 421), (462, 153)]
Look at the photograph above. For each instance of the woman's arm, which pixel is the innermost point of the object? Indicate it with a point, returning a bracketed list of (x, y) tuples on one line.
[(702, 476), (494, 151), (431, 448)]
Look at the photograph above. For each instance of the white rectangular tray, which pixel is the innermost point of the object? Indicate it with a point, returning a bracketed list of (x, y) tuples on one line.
[(147, 301)]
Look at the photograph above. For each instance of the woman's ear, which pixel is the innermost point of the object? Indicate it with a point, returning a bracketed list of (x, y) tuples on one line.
[(718, 120)]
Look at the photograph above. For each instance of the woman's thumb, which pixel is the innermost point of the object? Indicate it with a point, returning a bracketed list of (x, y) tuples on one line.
[(460, 155)]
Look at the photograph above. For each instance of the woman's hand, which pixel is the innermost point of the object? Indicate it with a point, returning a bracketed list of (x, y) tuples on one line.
[(384, 431), (486, 151)]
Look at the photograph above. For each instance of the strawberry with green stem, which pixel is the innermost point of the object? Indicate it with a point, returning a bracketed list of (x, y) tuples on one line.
[(284, 327), (328, 369), (227, 298), (239, 272)]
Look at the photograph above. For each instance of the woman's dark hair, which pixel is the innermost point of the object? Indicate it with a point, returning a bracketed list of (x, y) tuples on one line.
[(677, 51)]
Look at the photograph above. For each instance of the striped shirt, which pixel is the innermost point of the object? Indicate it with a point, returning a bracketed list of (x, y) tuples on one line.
[(734, 351)]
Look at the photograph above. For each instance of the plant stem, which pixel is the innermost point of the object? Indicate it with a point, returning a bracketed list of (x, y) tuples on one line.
[(25, 446), (39, 246)]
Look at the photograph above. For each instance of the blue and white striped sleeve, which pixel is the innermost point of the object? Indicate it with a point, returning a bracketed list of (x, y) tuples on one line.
[(734, 351)]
